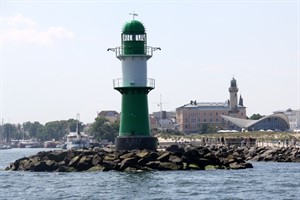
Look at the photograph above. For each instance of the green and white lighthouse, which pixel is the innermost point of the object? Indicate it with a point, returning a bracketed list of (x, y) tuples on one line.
[(134, 87)]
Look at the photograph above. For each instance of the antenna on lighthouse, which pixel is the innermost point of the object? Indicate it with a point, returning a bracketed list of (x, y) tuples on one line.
[(133, 15)]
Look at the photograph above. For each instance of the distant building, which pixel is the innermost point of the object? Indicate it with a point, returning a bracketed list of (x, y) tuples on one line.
[(275, 122), (193, 116), (163, 120), (111, 115), (293, 116)]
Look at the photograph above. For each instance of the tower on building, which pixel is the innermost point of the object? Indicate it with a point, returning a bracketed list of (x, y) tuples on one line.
[(134, 87), (233, 89), (241, 101)]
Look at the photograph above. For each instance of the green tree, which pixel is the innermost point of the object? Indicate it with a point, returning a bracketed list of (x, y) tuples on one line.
[(34, 130), (256, 116), (102, 129), (11, 131)]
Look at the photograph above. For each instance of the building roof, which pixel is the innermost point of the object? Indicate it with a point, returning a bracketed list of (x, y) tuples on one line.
[(246, 123), (133, 27), (206, 106), (108, 113)]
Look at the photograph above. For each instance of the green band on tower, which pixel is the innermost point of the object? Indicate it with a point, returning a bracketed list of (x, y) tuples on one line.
[(134, 114)]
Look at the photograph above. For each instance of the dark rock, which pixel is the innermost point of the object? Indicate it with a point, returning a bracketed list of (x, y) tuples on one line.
[(169, 166), (172, 148), (74, 161), (39, 166), (130, 169), (25, 165), (65, 169), (175, 159), (175, 149), (164, 157), (57, 156), (109, 165), (203, 162), (97, 168), (193, 166), (236, 165), (110, 157), (51, 165), (153, 164), (127, 162), (127, 155), (96, 160), (142, 154), (84, 163), (248, 165)]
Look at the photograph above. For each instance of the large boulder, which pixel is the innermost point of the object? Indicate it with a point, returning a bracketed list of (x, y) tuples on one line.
[(57, 156), (127, 162)]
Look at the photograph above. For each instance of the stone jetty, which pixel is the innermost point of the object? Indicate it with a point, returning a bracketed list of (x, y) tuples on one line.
[(174, 157)]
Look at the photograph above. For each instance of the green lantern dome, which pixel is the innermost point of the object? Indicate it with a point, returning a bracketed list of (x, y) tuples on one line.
[(133, 27)]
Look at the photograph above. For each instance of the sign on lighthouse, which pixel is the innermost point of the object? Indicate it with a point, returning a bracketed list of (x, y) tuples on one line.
[(134, 87)]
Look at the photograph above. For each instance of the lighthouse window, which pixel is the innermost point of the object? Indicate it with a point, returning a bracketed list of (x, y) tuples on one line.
[(127, 37), (140, 37)]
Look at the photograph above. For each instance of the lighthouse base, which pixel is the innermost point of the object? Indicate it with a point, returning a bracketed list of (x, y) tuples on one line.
[(136, 142)]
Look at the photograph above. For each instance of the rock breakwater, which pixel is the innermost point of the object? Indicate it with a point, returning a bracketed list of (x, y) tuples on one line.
[(174, 157), (105, 159)]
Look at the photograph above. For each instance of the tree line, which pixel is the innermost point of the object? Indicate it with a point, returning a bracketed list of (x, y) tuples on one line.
[(100, 129)]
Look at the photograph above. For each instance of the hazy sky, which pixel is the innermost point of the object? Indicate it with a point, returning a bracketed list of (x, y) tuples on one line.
[(54, 59)]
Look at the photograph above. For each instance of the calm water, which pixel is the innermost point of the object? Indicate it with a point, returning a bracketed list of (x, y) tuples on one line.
[(264, 181)]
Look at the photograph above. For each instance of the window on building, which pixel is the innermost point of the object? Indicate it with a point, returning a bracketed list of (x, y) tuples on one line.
[(210, 114), (204, 114), (204, 120), (193, 120), (217, 119), (210, 120), (217, 113)]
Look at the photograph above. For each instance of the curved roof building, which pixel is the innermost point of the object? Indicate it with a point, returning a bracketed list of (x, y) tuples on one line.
[(277, 121)]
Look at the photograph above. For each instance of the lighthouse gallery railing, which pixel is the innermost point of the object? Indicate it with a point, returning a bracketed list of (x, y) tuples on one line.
[(148, 51), (120, 82)]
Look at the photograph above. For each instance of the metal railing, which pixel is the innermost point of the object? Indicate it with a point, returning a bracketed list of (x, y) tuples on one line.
[(120, 82), (148, 51)]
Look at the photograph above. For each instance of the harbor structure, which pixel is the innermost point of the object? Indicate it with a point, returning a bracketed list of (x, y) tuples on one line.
[(195, 117), (294, 118), (134, 86)]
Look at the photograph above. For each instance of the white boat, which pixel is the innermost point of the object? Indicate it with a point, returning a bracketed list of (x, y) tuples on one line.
[(3, 147), (29, 144), (77, 140)]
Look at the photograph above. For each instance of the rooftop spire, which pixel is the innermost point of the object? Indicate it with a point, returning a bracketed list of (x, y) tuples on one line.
[(241, 101), (133, 15)]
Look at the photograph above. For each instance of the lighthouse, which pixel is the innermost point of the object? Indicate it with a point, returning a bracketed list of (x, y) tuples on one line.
[(233, 89), (134, 87)]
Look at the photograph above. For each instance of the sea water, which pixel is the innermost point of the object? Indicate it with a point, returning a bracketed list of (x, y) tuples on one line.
[(267, 180)]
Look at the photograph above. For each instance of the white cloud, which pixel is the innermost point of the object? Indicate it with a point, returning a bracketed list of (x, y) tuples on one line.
[(19, 20), (24, 30)]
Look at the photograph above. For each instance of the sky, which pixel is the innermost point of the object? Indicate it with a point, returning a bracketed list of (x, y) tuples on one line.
[(55, 63)]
